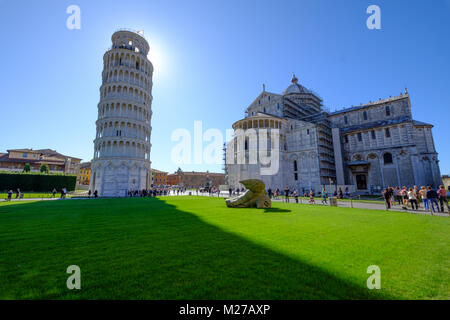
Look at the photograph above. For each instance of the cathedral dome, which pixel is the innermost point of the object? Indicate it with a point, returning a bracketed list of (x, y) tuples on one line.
[(295, 87)]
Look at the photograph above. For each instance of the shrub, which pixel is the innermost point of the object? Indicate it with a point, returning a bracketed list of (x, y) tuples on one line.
[(44, 168), (26, 167), (36, 182)]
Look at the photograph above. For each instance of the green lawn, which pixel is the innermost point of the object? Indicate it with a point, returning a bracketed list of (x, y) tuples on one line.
[(196, 248)]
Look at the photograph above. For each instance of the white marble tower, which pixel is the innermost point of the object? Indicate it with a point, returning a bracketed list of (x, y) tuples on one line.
[(122, 144)]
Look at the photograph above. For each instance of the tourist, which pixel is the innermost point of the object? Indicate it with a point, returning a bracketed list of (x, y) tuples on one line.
[(324, 196), (10, 192), (423, 194), (442, 193), (404, 194), (418, 196), (432, 197), (340, 193), (391, 195), (17, 193), (387, 198), (95, 194), (398, 195), (311, 196), (277, 192), (412, 199), (286, 194), (54, 192), (295, 194), (230, 191), (269, 192), (89, 193)]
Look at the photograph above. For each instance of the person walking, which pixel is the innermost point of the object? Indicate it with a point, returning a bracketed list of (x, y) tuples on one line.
[(418, 196), (230, 191), (442, 193), (387, 198), (412, 199), (423, 195), (269, 192), (286, 194), (89, 193), (405, 197), (432, 197), (324, 196), (95, 194), (17, 193), (398, 195), (295, 194), (54, 192), (10, 192), (311, 196)]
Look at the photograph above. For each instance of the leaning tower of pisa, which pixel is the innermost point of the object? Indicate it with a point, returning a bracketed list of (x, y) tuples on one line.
[(122, 144)]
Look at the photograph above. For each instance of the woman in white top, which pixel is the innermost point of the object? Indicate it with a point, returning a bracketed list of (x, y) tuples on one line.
[(412, 199)]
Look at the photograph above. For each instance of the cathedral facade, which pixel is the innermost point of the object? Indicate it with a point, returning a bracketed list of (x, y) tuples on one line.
[(363, 148)]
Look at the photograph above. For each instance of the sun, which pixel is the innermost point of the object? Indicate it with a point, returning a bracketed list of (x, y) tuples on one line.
[(156, 57)]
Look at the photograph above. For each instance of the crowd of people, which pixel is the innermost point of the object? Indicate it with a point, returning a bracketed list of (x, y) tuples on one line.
[(288, 193), (20, 195), (432, 200), (167, 191)]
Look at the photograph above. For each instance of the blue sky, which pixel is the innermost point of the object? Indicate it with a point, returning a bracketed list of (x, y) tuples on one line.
[(211, 59)]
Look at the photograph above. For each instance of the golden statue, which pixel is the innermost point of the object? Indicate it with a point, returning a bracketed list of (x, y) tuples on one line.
[(255, 196)]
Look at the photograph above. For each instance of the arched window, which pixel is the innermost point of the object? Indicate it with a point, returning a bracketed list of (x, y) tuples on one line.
[(387, 158), (387, 133)]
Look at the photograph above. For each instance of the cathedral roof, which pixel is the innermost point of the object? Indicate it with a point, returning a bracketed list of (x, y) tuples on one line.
[(295, 87)]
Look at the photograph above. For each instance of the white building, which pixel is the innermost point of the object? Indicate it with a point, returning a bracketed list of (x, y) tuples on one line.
[(363, 148), (122, 144)]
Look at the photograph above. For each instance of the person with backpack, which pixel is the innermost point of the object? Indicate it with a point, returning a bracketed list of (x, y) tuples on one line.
[(442, 193)]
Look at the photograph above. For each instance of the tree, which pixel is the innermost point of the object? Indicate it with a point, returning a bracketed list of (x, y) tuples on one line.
[(26, 167), (44, 168)]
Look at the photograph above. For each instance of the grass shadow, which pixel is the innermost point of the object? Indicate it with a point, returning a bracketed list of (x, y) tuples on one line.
[(148, 249)]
